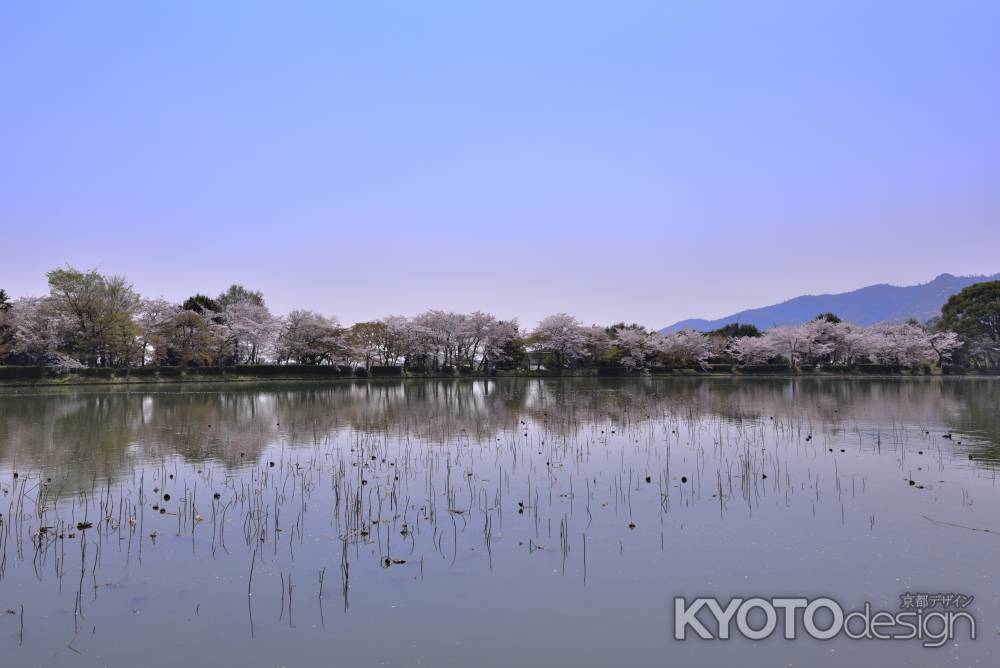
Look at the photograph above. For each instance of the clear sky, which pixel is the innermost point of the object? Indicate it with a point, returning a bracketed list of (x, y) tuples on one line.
[(640, 161)]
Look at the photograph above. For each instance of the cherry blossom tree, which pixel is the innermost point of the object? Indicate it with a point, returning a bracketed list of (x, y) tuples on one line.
[(420, 345), (901, 344), (310, 338), (596, 343), (39, 329), (563, 337), (473, 329), (250, 330), (819, 336), (637, 346), (447, 335), (789, 341), (501, 344), (752, 350), (6, 332), (851, 343), (944, 345), (687, 347), (151, 320)]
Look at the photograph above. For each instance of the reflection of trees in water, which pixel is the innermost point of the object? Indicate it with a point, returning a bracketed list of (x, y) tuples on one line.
[(837, 402), (977, 414), (75, 439), (82, 435), (224, 426)]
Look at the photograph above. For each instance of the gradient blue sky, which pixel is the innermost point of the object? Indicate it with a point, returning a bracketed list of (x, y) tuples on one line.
[(646, 161)]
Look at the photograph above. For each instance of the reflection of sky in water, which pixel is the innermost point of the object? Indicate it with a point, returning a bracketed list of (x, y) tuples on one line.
[(487, 491)]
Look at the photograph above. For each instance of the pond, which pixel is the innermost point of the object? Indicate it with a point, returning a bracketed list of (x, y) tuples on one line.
[(487, 522)]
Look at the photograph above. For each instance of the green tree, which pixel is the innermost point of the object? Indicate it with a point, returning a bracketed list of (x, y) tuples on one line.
[(189, 340), (377, 342), (237, 294), (829, 317), (974, 313), (200, 303), (735, 330), (98, 306), (6, 333), (620, 326), (513, 354)]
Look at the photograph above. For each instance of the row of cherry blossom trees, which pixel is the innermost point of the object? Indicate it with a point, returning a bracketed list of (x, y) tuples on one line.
[(826, 341), (90, 319), (431, 340), (563, 341)]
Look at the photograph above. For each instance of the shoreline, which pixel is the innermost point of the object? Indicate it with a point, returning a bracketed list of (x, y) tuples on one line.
[(224, 377)]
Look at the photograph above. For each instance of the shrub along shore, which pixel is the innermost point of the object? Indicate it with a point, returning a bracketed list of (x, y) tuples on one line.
[(39, 375)]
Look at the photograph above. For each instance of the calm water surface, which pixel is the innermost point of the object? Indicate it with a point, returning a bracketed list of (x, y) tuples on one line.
[(499, 523)]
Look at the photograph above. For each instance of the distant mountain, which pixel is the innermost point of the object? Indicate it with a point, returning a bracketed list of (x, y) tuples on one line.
[(866, 306)]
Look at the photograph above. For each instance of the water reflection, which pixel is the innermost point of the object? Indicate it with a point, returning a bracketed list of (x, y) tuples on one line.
[(457, 522), (81, 434)]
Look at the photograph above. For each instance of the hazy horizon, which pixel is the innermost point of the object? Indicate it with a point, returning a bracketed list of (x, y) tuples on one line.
[(643, 163)]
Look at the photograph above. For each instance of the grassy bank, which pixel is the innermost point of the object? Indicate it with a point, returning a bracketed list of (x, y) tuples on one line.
[(32, 376)]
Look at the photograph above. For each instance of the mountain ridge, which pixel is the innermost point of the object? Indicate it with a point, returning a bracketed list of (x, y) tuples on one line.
[(868, 305)]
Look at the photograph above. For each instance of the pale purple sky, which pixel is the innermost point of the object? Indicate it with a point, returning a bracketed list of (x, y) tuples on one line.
[(642, 161)]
